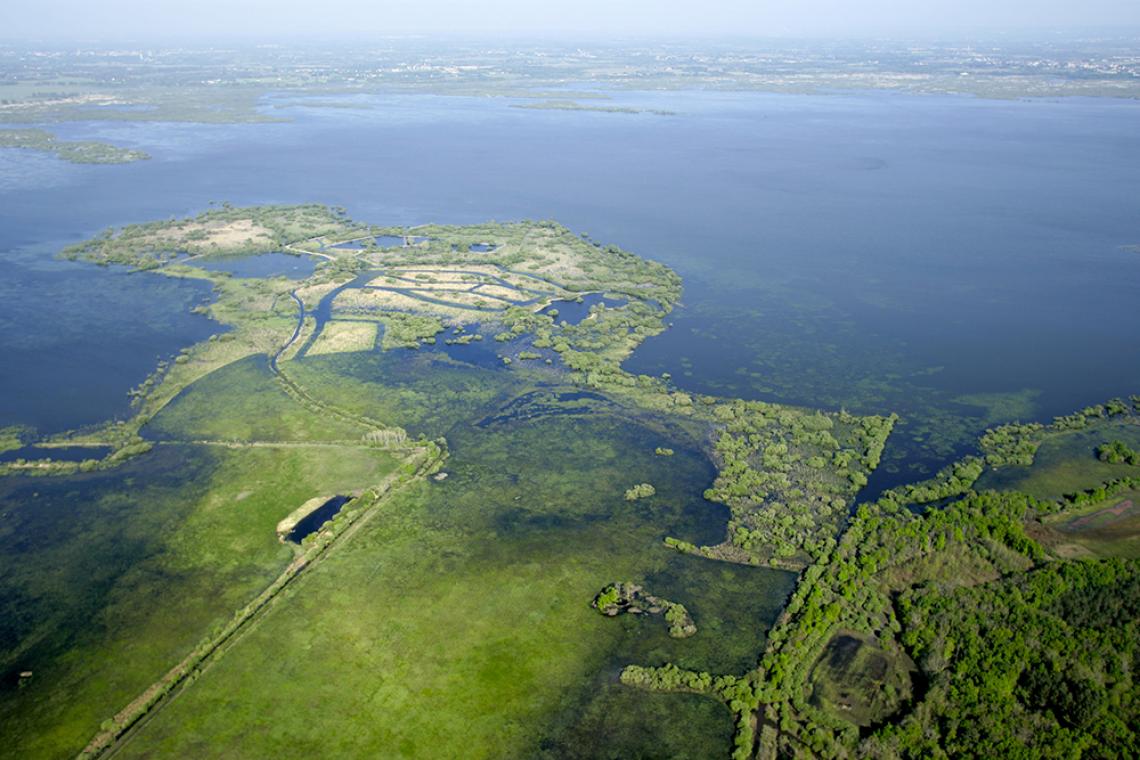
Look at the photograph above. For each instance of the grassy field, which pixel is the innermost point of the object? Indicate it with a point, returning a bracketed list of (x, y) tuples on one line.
[(457, 623), (344, 337), (109, 578), (859, 681), (1067, 462), (244, 402)]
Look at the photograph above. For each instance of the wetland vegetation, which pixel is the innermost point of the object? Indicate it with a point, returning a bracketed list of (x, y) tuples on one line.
[(803, 616)]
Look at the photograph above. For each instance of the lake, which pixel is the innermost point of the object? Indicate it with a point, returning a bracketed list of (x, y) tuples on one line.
[(957, 260)]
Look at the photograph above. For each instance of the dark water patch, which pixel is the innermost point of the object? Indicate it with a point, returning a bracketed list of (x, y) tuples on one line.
[(313, 521), (55, 453), (69, 540), (733, 606), (902, 464), (580, 396), (543, 403), (75, 338), (515, 519), (573, 312), (261, 265), (617, 721), (588, 429), (381, 241), (478, 353), (841, 651)]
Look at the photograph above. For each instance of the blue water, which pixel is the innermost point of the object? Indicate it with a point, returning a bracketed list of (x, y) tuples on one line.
[(75, 338), (573, 312), (262, 265), (313, 521), (876, 251)]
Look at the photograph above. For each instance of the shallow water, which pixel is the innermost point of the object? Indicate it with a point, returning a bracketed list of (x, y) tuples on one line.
[(75, 338)]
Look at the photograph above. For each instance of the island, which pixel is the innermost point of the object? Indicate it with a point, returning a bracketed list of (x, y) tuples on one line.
[(72, 151)]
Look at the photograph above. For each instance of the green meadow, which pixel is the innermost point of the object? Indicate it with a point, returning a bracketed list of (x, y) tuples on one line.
[(458, 621)]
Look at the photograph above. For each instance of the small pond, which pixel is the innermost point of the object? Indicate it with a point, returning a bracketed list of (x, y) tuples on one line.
[(313, 521), (573, 312), (261, 265), (482, 353)]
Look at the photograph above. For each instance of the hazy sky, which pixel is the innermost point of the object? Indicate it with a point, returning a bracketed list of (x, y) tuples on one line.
[(117, 19)]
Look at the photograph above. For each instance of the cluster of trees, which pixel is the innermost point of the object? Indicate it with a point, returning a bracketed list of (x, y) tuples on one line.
[(886, 549), (1017, 443), (403, 330), (1012, 444), (618, 598), (463, 340), (1051, 651), (12, 436), (788, 475), (1117, 452), (681, 625), (1046, 651), (953, 480), (1085, 417), (1098, 493)]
